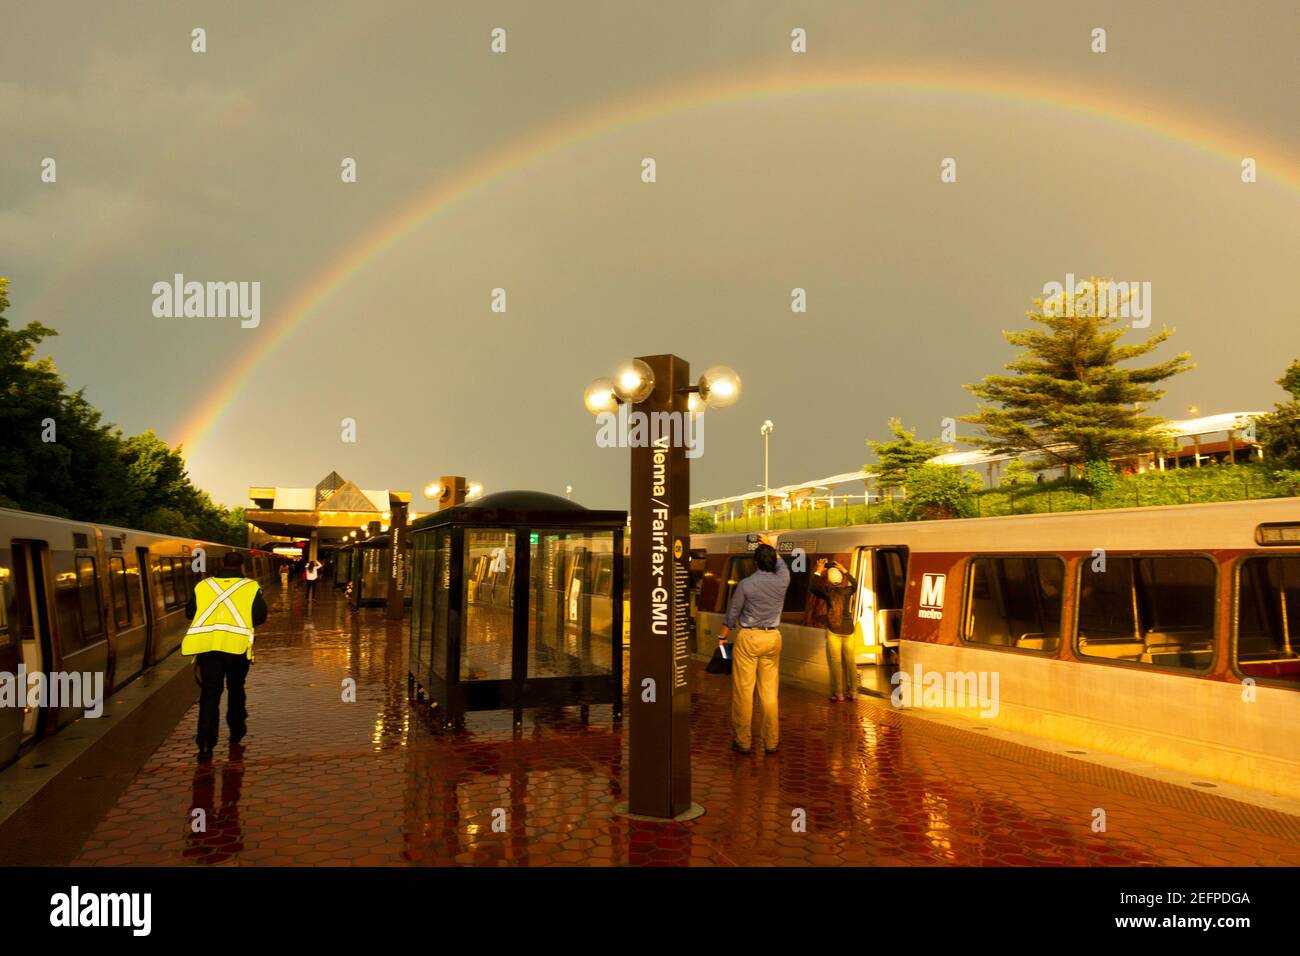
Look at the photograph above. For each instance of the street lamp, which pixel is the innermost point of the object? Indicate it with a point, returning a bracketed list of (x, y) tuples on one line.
[(659, 386), (634, 381), (451, 490), (765, 431)]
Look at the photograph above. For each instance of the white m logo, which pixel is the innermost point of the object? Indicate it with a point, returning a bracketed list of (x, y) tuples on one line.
[(932, 586)]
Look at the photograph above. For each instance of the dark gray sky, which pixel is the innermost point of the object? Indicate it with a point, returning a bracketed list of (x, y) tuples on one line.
[(225, 166)]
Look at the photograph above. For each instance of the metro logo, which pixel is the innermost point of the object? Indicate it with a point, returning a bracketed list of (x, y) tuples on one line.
[(932, 588)]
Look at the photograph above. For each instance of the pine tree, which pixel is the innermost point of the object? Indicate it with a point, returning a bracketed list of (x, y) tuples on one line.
[(897, 457), (1279, 430), (1067, 399)]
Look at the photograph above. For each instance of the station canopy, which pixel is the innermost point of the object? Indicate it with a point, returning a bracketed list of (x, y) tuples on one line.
[(332, 509)]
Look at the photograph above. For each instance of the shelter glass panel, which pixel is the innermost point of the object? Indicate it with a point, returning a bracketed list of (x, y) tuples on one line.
[(488, 605), (570, 621)]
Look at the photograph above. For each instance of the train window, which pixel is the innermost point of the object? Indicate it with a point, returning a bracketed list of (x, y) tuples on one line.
[(1014, 602), (738, 568), (796, 595), (77, 600), (168, 583), (181, 568), (132, 584), (66, 605), (891, 570), (119, 586), (6, 597), (92, 622), (1268, 619), (1148, 610)]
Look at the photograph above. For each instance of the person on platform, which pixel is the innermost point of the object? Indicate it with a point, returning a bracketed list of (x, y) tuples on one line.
[(312, 573), (756, 607), (834, 585), (223, 611)]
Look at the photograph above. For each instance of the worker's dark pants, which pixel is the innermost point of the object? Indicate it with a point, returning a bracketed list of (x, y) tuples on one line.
[(215, 669)]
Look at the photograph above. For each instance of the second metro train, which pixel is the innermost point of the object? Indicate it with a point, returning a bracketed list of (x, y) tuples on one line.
[(78, 597)]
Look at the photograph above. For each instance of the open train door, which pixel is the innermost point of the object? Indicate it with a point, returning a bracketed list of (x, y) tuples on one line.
[(31, 574), (881, 573)]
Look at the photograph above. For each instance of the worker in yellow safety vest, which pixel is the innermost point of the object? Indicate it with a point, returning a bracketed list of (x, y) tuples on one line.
[(223, 612)]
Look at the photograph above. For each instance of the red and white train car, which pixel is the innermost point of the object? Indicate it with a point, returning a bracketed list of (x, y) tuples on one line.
[(1170, 635)]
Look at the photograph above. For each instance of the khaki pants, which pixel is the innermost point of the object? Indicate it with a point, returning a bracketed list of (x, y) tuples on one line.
[(842, 662), (757, 657)]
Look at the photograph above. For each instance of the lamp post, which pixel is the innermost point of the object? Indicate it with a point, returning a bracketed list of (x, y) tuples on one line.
[(658, 391), (765, 431), (452, 490)]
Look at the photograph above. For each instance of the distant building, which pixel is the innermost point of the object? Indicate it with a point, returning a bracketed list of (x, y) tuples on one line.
[(325, 514), (1210, 439), (1197, 441)]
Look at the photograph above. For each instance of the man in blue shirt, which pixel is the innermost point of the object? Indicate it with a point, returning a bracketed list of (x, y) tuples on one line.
[(756, 607)]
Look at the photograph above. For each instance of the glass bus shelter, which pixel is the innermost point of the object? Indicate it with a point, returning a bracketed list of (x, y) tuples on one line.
[(517, 602)]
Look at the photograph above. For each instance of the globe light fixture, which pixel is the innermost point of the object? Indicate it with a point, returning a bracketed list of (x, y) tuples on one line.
[(696, 405), (599, 397), (474, 490), (633, 381), (433, 490), (719, 386)]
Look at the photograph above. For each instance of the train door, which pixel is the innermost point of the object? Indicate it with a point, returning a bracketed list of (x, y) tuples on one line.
[(150, 617), (11, 716), (31, 563), (881, 574)]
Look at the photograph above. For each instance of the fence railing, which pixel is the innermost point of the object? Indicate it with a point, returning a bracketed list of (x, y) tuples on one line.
[(1185, 486)]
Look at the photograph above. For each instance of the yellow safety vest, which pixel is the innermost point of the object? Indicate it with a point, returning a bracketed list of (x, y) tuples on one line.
[(223, 616)]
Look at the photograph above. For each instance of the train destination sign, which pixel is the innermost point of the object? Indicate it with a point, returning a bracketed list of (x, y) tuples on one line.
[(659, 701)]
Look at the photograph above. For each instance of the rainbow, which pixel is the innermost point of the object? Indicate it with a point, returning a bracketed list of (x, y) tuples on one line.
[(1161, 119)]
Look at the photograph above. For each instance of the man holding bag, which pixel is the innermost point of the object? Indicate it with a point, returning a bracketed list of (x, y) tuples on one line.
[(756, 606)]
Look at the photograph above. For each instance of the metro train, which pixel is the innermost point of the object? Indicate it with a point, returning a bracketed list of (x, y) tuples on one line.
[(1168, 635), (73, 600)]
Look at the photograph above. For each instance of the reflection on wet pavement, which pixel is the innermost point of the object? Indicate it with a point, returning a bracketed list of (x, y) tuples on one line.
[(322, 780)]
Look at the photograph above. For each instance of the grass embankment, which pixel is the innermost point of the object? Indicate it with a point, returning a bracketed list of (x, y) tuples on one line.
[(1181, 487)]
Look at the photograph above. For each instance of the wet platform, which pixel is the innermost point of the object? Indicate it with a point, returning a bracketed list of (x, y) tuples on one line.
[(323, 781)]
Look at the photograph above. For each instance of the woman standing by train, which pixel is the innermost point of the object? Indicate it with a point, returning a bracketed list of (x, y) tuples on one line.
[(834, 585)]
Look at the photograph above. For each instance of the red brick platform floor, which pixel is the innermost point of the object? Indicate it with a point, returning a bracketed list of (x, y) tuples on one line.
[(321, 780)]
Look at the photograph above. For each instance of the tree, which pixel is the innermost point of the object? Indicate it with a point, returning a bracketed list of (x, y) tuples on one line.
[(57, 455), (701, 522), (1279, 431), (1017, 473), (1067, 399), (940, 491), (896, 457)]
